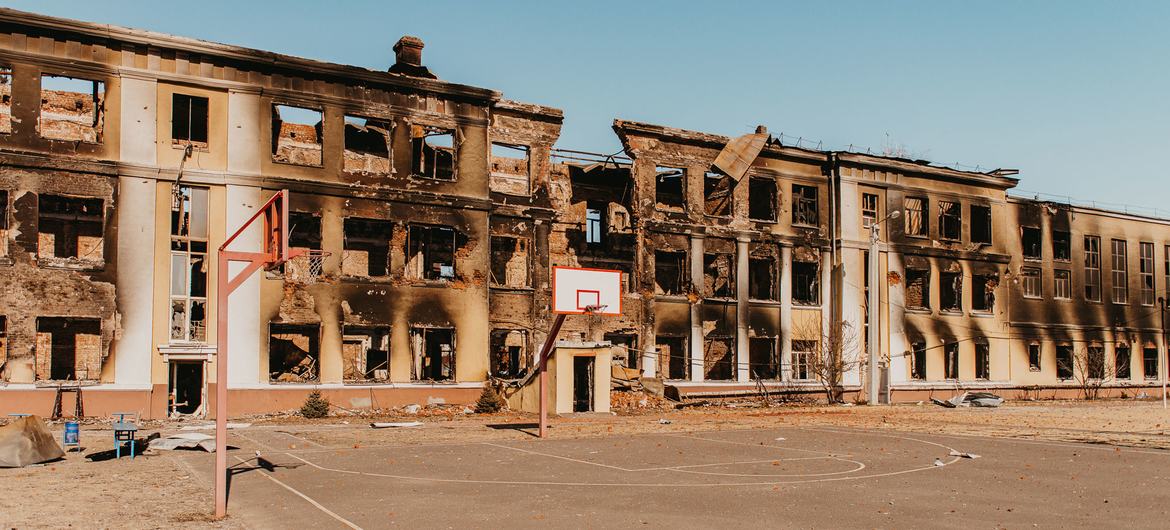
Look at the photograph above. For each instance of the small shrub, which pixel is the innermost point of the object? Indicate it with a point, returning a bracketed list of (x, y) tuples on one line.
[(315, 406), (489, 400)]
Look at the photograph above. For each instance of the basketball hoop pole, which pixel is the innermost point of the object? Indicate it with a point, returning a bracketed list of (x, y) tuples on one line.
[(542, 366)]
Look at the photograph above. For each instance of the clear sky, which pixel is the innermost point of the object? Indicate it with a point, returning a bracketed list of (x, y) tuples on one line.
[(1074, 94)]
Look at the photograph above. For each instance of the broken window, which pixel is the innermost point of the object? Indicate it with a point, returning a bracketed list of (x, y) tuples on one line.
[(806, 283), (189, 116), (509, 266), (5, 99), (670, 273), (3, 339), (510, 169), (762, 282), (365, 353), (950, 287), (950, 221), (1150, 363), (509, 353), (1061, 245), (1093, 268), (1030, 236), (433, 352), (673, 357), (1095, 361), (719, 275), (296, 135), (983, 292), (1120, 271), (918, 289), (717, 189), (1121, 358), (1146, 270), (1064, 361), (625, 349), (762, 199), (804, 205), (916, 219), (367, 145), (68, 349), (980, 224), (670, 187), (294, 353), (72, 109), (594, 223), (982, 360), (1034, 357), (1061, 284), (189, 265), (1031, 282), (718, 358), (367, 247), (951, 358), (869, 209), (3, 222), (762, 358), (304, 231), (802, 358), (432, 152), (432, 252), (70, 227), (918, 364)]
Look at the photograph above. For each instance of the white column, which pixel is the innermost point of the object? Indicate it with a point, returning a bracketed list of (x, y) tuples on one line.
[(786, 312), (244, 327), (896, 294), (853, 307), (742, 350), (696, 346)]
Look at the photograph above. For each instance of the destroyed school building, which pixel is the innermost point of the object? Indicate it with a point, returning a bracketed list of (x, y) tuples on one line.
[(127, 157)]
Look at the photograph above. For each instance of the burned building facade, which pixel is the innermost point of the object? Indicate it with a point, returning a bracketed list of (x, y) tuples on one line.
[(127, 158)]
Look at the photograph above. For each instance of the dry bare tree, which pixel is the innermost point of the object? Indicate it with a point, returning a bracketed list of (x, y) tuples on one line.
[(1088, 369), (836, 352)]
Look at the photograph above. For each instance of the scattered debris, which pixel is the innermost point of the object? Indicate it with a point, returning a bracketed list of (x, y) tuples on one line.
[(939, 463), (186, 440), (393, 424), (964, 455), (26, 441), (664, 421), (211, 427), (413, 408), (970, 399)]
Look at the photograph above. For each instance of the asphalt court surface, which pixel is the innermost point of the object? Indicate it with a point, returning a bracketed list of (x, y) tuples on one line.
[(783, 477)]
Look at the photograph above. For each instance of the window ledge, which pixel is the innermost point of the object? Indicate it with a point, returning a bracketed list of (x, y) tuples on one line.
[(983, 314), (511, 288), (765, 221), (293, 164), (366, 279), (417, 282), (798, 305), (671, 297), (70, 264), (951, 312), (919, 310), (759, 301), (433, 179)]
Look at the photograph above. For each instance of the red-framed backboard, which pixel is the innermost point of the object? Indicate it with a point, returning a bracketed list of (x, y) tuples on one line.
[(577, 290)]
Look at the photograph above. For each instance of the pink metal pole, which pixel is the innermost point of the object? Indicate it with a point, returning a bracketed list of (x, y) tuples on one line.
[(221, 308)]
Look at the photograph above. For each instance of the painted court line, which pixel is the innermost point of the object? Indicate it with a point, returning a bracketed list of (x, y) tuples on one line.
[(310, 500)]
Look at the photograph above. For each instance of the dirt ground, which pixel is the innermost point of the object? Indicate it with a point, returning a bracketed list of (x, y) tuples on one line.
[(171, 489)]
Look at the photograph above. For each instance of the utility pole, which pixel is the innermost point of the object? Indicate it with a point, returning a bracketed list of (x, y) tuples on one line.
[(872, 314)]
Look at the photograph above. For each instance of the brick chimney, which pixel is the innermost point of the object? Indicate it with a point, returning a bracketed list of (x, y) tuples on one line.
[(408, 58)]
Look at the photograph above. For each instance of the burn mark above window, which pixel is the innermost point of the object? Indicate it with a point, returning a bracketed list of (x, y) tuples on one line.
[(762, 199), (432, 152), (72, 109), (510, 169), (367, 247), (1033, 248), (367, 145), (189, 115), (717, 191), (510, 262), (950, 221), (804, 205), (981, 224), (431, 252), (5, 99), (70, 228), (670, 188), (296, 135), (670, 273)]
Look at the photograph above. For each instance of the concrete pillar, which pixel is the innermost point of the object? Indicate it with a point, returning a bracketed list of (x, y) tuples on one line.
[(696, 342), (896, 294), (826, 290), (245, 331), (742, 356), (853, 307), (650, 361), (786, 312)]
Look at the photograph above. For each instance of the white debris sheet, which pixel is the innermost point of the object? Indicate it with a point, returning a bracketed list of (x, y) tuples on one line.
[(186, 440)]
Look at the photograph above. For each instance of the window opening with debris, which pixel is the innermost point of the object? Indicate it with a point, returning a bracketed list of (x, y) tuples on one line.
[(950, 221), (673, 357), (1034, 357), (367, 247), (1064, 361), (294, 353), (982, 359), (296, 135), (186, 387), (189, 115), (1121, 356), (432, 252), (1093, 268), (5, 99), (981, 224), (717, 194), (917, 223), (365, 353), (3, 339), (1146, 272), (806, 283), (762, 358), (718, 358), (304, 232), (802, 357), (670, 273), (670, 187), (625, 349), (1150, 363), (367, 145), (1031, 282), (511, 169), (595, 223), (509, 353), (951, 358), (951, 292), (983, 292), (70, 227), (189, 265), (68, 349), (72, 109), (869, 209), (1061, 245), (1061, 284), (918, 364), (918, 289), (1120, 272), (432, 152), (433, 351), (510, 261), (1030, 236), (719, 275), (804, 205), (762, 279), (1095, 359), (762, 198)]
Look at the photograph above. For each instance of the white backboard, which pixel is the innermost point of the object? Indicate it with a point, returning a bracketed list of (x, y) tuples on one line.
[(575, 288)]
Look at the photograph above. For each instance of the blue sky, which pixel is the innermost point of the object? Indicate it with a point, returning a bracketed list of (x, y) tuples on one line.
[(1074, 94)]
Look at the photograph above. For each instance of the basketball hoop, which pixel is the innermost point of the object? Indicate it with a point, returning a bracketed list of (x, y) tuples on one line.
[(305, 267), (590, 309)]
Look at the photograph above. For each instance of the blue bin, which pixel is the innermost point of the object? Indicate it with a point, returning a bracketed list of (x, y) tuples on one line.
[(72, 433)]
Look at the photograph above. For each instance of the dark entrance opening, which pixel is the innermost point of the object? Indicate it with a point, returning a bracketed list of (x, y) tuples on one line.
[(186, 392), (582, 384)]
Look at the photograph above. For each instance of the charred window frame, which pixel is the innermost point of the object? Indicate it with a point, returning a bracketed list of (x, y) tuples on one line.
[(670, 188), (763, 358), (509, 353), (189, 265), (719, 275), (367, 145), (802, 356), (982, 359), (294, 353), (805, 206), (917, 289), (595, 221), (1120, 271), (432, 252), (1032, 246), (365, 354), (951, 292), (1034, 357), (1092, 268), (5, 99), (304, 230), (950, 221), (433, 351), (1095, 360), (1031, 282), (1150, 363), (763, 279), (670, 273), (70, 228), (1121, 361), (1064, 362), (511, 169), (869, 209), (981, 224), (917, 222), (510, 262), (918, 360), (367, 247), (1061, 245), (674, 359), (717, 194), (189, 120), (296, 135), (68, 349), (72, 109), (1062, 284), (433, 153), (628, 344), (1146, 272), (806, 283), (762, 199), (951, 360), (983, 292)]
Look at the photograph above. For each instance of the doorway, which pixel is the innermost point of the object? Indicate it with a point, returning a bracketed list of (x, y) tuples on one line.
[(186, 388), (583, 384)]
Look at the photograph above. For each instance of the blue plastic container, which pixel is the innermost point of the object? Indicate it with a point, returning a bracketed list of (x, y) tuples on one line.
[(72, 433)]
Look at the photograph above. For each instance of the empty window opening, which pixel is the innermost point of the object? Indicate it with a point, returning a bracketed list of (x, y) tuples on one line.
[(762, 279), (296, 135), (367, 247), (595, 223), (1150, 363), (982, 360), (806, 283), (3, 339), (951, 360), (717, 190), (804, 205), (981, 224), (509, 266), (670, 187), (1061, 245), (1093, 268), (72, 109), (583, 367), (367, 145), (365, 353), (625, 349), (719, 275), (762, 358), (869, 209), (916, 218), (432, 252), (1030, 236), (189, 265), (918, 289), (294, 353), (673, 357), (1120, 272), (802, 359), (1061, 284), (918, 364), (1121, 356), (5, 99), (70, 227), (189, 116), (718, 358), (1034, 357), (433, 351), (304, 231), (510, 169), (762, 199), (950, 221), (670, 273), (432, 152), (1146, 272), (68, 349), (186, 388), (509, 353), (983, 292), (1064, 361), (951, 292), (1095, 361)]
